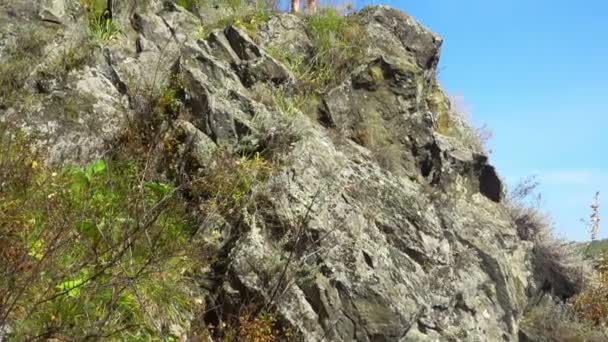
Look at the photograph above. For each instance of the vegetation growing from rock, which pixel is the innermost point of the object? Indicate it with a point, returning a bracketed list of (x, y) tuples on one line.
[(560, 263), (248, 15), (103, 29), (229, 182), (101, 25), (338, 45), (576, 308)]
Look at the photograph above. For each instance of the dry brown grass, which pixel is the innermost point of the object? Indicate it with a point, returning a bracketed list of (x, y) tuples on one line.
[(559, 265)]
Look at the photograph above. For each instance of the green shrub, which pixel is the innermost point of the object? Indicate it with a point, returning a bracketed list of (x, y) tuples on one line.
[(597, 248), (277, 135), (72, 105), (301, 99), (168, 102), (92, 252), (28, 58), (286, 128), (154, 103), (192, 5), (591, 305)]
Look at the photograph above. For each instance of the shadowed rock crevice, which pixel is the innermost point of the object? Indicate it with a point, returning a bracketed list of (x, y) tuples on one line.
[(489, 183)]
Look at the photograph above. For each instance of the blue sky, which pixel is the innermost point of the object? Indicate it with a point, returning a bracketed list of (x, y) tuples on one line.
[(534, 71)]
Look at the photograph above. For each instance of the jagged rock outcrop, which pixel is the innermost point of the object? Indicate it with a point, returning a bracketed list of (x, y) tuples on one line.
[(401, 238)]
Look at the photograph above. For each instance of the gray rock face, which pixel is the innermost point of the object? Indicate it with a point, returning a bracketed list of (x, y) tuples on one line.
[(344, 246), (387, 26), (386, 260), (287, 31)]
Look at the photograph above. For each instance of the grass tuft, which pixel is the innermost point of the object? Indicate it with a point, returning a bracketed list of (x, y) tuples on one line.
[(339, 43), (227, 185), (103, 29)]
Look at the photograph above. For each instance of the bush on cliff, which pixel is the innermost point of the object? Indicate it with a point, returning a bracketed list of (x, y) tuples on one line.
[(88, 252)]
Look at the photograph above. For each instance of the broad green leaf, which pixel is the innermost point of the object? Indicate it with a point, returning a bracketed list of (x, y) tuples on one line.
[(72, 286), (99, 167), (95, 168), (36, 249)]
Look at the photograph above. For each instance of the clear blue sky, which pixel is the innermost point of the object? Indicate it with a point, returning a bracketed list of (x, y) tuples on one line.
[(535, 71)]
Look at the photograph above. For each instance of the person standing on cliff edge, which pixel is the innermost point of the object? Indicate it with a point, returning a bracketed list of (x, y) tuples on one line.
[(311, 5)]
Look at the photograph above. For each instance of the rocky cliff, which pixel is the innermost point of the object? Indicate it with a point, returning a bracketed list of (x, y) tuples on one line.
[(381, 220)]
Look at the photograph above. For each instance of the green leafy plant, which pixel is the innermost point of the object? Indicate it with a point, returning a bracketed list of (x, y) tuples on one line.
[(95, 252), (94, 7)]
